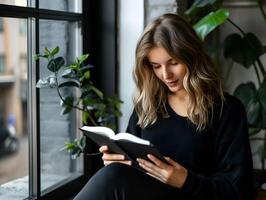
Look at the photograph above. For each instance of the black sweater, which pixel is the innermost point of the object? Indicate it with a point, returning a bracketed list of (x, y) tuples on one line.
[(218, 159)]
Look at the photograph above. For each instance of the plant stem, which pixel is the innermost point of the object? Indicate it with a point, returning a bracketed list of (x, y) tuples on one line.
[(261, 9), (236, 26), (60, 96), (257, 73), (76, 107), (92, 120)]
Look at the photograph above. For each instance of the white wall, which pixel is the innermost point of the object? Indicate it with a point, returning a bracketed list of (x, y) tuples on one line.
[(130, 24)]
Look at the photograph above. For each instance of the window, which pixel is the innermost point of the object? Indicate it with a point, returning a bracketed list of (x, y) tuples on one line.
[(2, 64), (13, 113), (30, 116), (1, 25)]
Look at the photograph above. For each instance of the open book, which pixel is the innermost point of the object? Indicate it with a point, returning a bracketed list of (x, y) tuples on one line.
[(122, 143)]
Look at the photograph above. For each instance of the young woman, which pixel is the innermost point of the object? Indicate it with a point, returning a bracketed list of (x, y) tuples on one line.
[(181, 108)]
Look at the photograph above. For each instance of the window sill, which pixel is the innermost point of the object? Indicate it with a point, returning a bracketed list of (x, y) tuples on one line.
[(16, 189)]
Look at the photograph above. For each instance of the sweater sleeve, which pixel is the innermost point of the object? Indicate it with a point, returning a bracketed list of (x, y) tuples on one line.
[(232, 176)]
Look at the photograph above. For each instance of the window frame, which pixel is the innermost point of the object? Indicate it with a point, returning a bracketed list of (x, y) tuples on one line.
[(33, 15), (97, 14)]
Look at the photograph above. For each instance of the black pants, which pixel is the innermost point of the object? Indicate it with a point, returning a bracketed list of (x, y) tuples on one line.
[(121, 182)]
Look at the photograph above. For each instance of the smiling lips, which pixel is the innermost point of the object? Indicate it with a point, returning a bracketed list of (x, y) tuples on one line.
[(172, 83)]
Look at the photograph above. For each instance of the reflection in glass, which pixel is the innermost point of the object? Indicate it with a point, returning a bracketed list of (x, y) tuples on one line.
[(56, 129), (14, 2), (62, 5), (13, 110)]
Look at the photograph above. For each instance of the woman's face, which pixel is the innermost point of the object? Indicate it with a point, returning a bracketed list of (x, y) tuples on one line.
[(170, 71)]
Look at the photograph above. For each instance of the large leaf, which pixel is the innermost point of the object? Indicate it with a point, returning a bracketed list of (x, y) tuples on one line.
[(247, 94), (202, 5), (49, 81), (244, 50), (262, 97), (69, 84), (55, 64), (210, 22), (67, 105)]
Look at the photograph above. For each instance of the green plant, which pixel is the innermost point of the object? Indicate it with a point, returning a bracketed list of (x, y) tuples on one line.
[(96, 108), (243, 48)]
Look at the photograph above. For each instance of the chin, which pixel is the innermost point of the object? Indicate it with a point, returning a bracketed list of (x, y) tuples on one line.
[(175, 89)]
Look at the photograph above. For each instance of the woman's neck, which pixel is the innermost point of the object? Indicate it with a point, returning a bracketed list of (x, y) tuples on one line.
[(181, 95), (179, 102)]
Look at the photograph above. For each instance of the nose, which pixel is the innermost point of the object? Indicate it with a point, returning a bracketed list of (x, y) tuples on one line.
[(166, 73)]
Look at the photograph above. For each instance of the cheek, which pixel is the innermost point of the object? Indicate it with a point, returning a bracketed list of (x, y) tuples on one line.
[(182, 72), (157, 73)]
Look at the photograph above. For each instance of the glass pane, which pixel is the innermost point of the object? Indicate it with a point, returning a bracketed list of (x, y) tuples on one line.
[(14, 2), (56, 129), (62, 5), (13, 110)]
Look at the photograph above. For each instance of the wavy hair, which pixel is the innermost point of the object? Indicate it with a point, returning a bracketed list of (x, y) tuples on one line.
[(201, 81)]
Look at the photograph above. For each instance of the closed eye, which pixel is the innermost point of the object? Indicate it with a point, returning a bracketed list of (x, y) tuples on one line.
[(173, 63), (155, 66)]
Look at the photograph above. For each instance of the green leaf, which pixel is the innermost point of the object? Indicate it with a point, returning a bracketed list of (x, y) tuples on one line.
[(247, 94), (85, 116), (55, 64), (210, 22), (68, 73), (37, 57), (262, 97), (253, 131), (250, 45), (69, 84), (67, 105), (197, 5), (87, 75), (54, 51), (49, 81), (46, 51), (82, 58)]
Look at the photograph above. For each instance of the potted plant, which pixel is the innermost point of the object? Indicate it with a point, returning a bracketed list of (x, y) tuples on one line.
[(243, 48), (97, 109)]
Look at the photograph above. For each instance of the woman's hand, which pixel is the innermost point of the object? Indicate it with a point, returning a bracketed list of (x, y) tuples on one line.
[(109, 158), (172, 174)]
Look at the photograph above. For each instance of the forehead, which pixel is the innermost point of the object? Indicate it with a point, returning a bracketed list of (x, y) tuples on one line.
[(158, 55)]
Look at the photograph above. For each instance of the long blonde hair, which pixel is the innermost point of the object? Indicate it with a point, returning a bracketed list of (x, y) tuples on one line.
[(202, 83)]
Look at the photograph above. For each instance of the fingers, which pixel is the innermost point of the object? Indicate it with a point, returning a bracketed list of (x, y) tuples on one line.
[(157, 161), (109, 158), (172, 162), (127, 162), (149, 166), (103, 149)]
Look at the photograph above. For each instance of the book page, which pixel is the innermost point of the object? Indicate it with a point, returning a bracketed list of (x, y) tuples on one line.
[(99, 130), (131, 138)]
